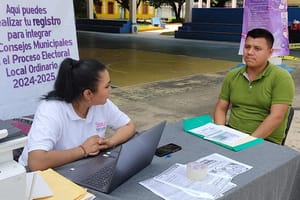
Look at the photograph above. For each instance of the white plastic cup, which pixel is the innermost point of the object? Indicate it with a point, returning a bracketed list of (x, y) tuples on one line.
[(196, 171)]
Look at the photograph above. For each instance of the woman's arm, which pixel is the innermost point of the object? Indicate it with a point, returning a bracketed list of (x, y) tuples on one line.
[(121, 135), (41, 159)]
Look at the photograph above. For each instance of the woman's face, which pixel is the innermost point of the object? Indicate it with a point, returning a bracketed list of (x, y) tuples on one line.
[(103, 89)]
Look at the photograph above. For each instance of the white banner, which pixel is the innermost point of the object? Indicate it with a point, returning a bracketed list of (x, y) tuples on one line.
[(35, 36)]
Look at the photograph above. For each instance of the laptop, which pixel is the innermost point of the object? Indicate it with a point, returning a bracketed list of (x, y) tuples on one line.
[(106, 171)]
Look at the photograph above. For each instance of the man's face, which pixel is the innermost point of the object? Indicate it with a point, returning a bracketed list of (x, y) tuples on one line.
[(256, 52)]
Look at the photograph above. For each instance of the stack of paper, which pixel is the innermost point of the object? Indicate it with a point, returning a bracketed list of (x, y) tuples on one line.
[(173, 184), (59, 187), (227, 137), (36, 187)]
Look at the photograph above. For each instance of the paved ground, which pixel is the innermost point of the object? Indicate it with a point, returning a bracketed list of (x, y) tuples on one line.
[(175, 99)]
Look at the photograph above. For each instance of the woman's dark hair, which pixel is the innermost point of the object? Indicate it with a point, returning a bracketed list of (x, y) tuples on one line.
[(74, 77), (262, 33)]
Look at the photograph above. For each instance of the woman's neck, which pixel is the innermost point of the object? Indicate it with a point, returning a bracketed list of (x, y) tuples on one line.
[(80, 109)]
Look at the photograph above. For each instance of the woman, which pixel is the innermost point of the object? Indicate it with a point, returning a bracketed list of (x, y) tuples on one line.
[(71, 120)]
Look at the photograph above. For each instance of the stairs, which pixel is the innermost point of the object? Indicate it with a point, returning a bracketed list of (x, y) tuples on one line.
[(101, 25), (217, 24), (222, 24)]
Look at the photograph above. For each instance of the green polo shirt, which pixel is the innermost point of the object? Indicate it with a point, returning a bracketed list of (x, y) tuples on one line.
[(251, 101)]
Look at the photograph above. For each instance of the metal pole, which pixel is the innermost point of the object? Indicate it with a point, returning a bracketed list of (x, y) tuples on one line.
[(90, 7), (132, 16)]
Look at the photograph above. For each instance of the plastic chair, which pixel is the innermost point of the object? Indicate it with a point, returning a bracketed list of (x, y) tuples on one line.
[(156, 21), (289, 121)]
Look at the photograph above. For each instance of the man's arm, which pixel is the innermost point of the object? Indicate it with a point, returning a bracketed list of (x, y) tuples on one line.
[(220, 112), (272, 121)]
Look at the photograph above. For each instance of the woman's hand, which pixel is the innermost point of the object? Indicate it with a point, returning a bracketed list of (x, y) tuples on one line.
[(93, 145)]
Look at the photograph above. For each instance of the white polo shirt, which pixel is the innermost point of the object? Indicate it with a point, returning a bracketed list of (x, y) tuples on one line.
[(57, 126)]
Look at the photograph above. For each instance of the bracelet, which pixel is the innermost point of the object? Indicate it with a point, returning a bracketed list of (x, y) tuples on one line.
[(84, 151)]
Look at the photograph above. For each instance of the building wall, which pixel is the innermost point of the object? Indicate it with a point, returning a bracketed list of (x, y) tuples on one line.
[(104, 10), (293, 2)]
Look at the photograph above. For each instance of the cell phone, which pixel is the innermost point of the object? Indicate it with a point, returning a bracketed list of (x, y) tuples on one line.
[(167, 149)]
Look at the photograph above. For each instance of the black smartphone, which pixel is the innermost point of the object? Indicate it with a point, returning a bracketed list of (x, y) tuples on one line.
[(167, 149)]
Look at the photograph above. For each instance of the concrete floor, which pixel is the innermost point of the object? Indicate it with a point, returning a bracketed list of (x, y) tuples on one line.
[(173, 88)]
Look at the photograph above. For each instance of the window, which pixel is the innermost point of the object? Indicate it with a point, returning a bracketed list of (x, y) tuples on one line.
[(110, 7), (145, 9), (98, 6)]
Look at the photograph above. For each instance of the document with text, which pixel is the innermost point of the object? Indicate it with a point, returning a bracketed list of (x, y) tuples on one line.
[(168, 192), (209, 188), (174, 184), (225, 136), (223, 166)]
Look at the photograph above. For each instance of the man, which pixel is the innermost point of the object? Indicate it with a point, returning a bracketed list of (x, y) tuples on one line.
[(259, 93)]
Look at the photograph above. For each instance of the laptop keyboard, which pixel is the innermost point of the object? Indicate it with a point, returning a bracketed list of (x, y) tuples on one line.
[(101, 178)]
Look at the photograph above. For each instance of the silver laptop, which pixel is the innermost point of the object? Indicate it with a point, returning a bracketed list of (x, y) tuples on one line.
[(109, 169)]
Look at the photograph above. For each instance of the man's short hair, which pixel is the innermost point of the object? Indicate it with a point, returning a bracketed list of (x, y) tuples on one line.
[(262, 33)]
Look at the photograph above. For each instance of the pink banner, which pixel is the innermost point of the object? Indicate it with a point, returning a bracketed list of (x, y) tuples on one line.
[(271, 15)]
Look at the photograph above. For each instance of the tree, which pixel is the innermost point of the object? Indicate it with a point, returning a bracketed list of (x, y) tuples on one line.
[(219, 3), (177, 7), (175, 4), (80, 8), (125, 3)]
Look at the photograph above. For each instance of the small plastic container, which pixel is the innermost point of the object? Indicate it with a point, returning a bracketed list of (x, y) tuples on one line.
[(196, 171)]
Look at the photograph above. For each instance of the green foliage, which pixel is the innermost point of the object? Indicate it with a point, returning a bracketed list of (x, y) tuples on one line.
[(125, 3), (218, 3), (175, 4), (80, 8)]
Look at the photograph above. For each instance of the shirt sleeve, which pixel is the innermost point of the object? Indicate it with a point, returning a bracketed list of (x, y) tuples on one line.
[(115, 117), (225, 89), (44, 132), (284, 89)]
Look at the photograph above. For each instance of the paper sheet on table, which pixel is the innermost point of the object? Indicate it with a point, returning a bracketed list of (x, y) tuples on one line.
[(62, 187), (225, 136), (168, 192), (88, 196), (223, 166), (211, 130), (36, 187), (211, 187)]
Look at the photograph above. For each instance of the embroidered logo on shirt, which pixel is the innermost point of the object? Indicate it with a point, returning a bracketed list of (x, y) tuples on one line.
[(100, 126)]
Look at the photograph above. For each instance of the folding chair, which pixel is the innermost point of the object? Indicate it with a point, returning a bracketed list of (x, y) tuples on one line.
[(289, 121)]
